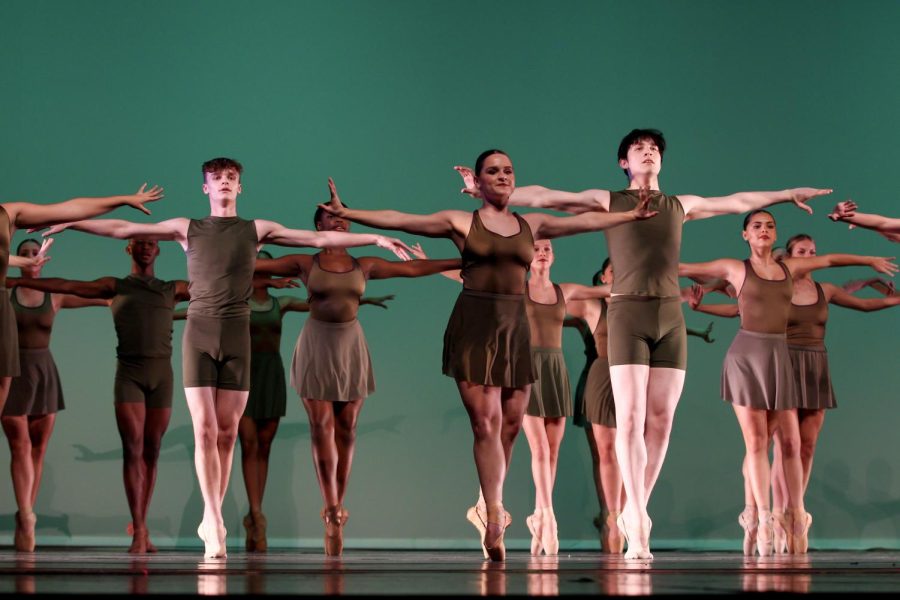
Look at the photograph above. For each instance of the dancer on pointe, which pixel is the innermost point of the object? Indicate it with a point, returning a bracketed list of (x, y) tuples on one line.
[(487, 342), (35, 396), (331, 369), (647, 337), (221, 251), (757, 376), (807, 320)]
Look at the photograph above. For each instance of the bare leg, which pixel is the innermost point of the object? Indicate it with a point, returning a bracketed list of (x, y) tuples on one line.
[(22, 472), (613, 490), (256, 437), (536, 435), (324, 448), (595, 471), (811, 422), (663, 392), (40, 428), (754, 425), (798, 521), (5, 382), (130, 417), (248, 436), (156, 423), (346, 418)]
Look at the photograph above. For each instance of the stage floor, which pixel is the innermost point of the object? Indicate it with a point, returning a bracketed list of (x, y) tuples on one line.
[(112, 571)]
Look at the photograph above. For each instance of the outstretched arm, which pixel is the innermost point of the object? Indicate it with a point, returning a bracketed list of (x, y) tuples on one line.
[(171, 230), (846, 211), (698, 207), (547, 226), (802, 266), (882, 286), (103, 288), (292, 304), (270, 232), (576, 291), (695, 301), (26, 214), (536, 196), (837, 295), (68, 301), (378, 268)]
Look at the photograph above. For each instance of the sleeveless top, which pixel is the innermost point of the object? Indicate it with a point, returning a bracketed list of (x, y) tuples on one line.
[(265, 328), (645, 254), (142, 314), (334, 296), (546, 320), (601, 333), (221, 255), (35, 323), (806, 323), (5, 239), (765, 303), (494, 263)]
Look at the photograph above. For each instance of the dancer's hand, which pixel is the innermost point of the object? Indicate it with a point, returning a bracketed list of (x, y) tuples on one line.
[(280, 283), (468, 176), (696, 296), (843, 210), (416, 250), (39, 259), (707, 334), (143, 196), (883, 265), (799, 196), (642, 210), (334, 205), (53, 229), (394, 245)]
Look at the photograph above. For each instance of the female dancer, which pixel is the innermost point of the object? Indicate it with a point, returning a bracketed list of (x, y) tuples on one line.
[(267, 401), (806, 346), (487, 342), (756, 377), (35, 396), (331, 369)]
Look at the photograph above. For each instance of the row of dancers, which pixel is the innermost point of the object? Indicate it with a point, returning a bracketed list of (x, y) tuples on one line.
[(488, 344)]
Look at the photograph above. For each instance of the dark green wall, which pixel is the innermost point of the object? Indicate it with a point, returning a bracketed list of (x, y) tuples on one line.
[(386, 97)]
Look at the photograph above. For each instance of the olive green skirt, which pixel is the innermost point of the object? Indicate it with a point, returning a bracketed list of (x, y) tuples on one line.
[(599, 405), (811, 370), (9, 337), (578, 407), (37, 390), (550, 394), (331, 362), (268, 391)]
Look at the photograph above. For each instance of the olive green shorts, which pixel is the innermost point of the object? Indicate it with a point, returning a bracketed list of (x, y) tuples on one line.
[(647, 330), (145, 380), (216, 353)]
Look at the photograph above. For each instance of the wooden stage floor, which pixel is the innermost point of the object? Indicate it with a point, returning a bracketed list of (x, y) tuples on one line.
[(366, 572)]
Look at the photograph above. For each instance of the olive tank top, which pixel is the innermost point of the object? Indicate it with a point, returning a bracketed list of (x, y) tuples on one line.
[(142, 314), (806, 323), (765, 304), (334, 296), (645, 254), (546, 320), (265, 328), (35, 323), (221, 255), (495, 263)]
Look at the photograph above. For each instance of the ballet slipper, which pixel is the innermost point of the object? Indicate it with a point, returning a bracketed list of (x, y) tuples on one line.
[(780, 529), (799, 533), (214, 544), (549, 533), (612, 542), (476, 516), (259, 533), (534, 526), (497, 522), (249, 544), (765, 534), (334, 530), (749, 521), (24, 536)]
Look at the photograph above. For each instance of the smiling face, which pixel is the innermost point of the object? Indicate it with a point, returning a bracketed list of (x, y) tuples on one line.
[(759, 230), (643, 159), (223, 185), (543, 254), (496, 179)]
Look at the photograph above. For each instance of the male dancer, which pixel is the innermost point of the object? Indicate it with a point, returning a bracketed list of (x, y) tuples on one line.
[(886, 226), (25, 214), (647, 339), (221, 252)]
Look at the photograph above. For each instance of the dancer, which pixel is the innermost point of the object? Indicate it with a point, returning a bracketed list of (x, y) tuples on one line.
[(886, 226), (806, 346), (267, 401), (757, 378), (35, 396), (486, 345), (331, 369), (221, 250), (15, 215), (647, 345)]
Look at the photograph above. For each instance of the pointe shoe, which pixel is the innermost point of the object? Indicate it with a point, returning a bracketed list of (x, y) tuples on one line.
[(549, 533), (493, 542), (636, 551), (612, 542), (749, 521), (259, 533), (780, 530), (799, 532), (477, 517), (765, 534), (24, 536), (646, 526), (534, 526), (334, 530), (214, 544), (249, 544)]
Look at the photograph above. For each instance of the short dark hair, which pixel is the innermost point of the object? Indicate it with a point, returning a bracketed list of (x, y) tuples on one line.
[(317, 217), (800, 237), (636, 135), (217, 165), (753, 213), (596, 279), (479, 162), (27, 241)]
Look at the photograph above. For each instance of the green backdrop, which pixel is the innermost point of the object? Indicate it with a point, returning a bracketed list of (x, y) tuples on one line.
[(100, 96)]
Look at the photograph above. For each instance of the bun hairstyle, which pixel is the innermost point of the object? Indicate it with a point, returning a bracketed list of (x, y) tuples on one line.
[(596, 279)]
